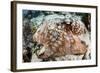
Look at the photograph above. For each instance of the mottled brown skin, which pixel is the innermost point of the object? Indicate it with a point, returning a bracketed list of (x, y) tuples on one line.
[(67, 44)]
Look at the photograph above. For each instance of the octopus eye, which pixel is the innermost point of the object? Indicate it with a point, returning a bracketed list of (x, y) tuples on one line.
[(41, 55)]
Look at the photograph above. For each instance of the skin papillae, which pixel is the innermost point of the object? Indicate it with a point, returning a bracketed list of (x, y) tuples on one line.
[(60, 41)]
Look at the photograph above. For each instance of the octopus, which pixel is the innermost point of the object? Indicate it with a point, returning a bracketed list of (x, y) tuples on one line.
[(60, 41)]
